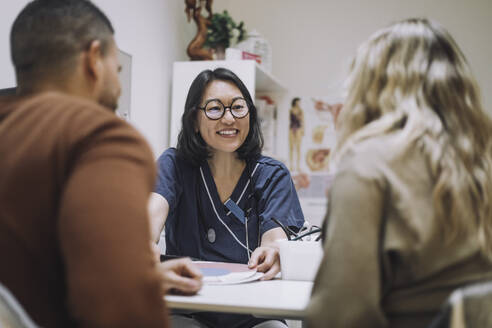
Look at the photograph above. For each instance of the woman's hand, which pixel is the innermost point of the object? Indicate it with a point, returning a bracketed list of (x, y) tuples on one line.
[(180, 276), (265, 259)]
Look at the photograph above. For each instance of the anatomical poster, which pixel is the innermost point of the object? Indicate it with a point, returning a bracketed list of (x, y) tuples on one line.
[(312, 138)]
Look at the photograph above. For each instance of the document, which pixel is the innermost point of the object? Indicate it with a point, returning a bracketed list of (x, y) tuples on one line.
[(222, 273)]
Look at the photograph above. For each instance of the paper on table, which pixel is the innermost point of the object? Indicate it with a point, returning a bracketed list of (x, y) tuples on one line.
[(222, 273)]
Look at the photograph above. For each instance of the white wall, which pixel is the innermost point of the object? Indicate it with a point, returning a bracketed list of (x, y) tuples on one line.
[(154, 32), (10, 9), (314, 40)]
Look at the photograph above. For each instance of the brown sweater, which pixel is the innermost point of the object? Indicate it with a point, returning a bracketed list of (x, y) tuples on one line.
[(386, 263), (74, 232)]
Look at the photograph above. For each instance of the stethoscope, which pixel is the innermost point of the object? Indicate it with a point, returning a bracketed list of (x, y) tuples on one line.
[(233, 208)]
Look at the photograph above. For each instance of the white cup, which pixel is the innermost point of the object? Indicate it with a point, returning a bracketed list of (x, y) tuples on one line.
[(299, 260)]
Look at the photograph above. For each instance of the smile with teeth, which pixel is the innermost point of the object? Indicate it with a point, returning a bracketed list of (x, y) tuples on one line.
[(231, 132)]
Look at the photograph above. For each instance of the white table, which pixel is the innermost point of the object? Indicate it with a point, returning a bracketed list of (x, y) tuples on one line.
[(273, 299)]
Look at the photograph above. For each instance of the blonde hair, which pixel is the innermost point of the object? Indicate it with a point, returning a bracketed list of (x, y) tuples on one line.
[(413, 79)]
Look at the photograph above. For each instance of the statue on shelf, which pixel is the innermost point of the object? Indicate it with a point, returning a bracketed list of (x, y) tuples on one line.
[(194, 9)]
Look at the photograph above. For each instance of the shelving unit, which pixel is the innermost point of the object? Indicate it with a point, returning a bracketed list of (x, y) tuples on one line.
[(266, 82), (258, 82)]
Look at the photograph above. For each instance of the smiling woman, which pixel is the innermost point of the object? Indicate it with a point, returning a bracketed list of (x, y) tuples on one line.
[(232, 191), (221, 129)]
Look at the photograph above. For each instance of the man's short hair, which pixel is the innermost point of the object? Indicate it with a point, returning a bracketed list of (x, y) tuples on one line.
[(48, 34)]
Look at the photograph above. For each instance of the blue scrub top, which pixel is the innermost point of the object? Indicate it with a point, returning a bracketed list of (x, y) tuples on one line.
[(271, 193)]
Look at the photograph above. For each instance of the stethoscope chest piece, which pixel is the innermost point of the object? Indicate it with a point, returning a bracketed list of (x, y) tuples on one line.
[(211, 235)]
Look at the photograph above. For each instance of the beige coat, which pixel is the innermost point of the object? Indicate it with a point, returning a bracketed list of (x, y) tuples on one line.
[(386, 263)]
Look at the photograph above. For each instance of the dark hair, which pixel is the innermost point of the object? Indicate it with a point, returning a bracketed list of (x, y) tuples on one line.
[(48, 34), (296, 99), (191, 145)]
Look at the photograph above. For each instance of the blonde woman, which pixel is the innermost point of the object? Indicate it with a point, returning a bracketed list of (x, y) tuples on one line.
[(410, 215)]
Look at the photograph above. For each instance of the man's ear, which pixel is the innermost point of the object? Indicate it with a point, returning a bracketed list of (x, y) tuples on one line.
[(93, 61)]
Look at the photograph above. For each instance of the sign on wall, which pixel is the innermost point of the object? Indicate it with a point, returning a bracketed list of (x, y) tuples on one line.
[(124, 103), (312, 138)]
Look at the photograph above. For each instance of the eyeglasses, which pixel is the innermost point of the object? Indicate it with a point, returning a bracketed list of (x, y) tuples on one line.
[(214, 109)]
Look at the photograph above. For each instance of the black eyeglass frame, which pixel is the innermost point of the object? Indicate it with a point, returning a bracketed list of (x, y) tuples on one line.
[(204, 108)]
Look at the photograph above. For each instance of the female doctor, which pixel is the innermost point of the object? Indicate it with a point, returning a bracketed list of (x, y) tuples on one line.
[(216, 194)]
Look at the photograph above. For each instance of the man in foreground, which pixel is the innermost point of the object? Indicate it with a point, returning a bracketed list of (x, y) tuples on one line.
[(75, 180)]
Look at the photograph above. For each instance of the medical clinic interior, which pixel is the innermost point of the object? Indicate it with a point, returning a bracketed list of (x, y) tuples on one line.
[(246, 163)]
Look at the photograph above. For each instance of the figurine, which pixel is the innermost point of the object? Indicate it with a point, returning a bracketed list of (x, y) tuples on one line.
[(195, 48)]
